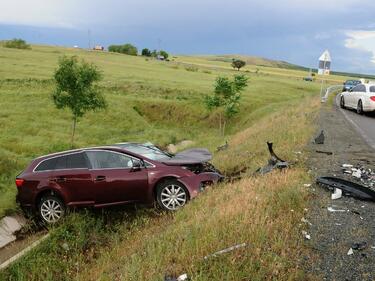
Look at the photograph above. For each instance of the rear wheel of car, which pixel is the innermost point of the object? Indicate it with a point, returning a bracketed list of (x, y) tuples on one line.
[(360, 107), (51, 209), (171, 195), (342, 102)]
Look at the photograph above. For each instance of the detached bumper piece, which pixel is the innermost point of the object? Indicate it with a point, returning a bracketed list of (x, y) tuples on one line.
[(349, 188), (273, 162)]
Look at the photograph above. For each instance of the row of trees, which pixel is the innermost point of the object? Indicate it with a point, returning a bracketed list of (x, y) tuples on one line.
[(16, 44), (132, 50), (148, 53), (127, 49)]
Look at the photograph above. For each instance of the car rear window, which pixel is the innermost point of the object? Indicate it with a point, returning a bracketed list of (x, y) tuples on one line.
[(47, 165), (70, 161), (109, 160)]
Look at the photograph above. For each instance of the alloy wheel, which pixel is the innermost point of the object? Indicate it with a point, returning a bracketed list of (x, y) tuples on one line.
[(51, 210), (173, 197)]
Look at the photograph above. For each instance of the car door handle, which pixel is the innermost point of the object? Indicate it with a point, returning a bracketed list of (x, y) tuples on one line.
[(100, 178), (59, 179)]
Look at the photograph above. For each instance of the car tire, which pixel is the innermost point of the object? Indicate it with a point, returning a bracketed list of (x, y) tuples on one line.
[(51, 209), (360, 107), (342, 103), (171, 195)]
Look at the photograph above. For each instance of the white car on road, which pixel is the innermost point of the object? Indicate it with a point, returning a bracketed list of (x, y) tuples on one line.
[(361, 98)]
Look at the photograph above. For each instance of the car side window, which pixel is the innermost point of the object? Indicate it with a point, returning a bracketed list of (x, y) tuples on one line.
[(372, 89), (46, 165), (359, 88), (76, 161), (109, 160)]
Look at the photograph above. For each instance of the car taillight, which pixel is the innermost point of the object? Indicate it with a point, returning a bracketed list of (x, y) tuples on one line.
[(372, 98), (19, 182)]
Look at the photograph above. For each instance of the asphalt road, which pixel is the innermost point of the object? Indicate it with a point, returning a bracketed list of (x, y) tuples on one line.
[(363, 124)]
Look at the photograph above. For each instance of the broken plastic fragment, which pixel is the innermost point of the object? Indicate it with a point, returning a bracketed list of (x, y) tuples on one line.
[(306, 221), (225, 250), (332, 210), (336, 194), (320, 139), (307, 236), (347, 165), (359, 246), (182, 277), (350, 252)]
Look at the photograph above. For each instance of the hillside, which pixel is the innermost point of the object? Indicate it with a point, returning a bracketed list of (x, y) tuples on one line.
[(257, 61), (162, 102)]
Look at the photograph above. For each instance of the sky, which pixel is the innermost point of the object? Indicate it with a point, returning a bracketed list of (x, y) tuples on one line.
[(296, 31)]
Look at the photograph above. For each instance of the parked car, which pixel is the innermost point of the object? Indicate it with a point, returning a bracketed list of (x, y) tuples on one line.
[(350, 84), (308, 78), (360, 98), (112, 175)]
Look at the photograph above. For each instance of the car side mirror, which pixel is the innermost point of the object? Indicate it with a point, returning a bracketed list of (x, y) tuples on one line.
[(137, 165)]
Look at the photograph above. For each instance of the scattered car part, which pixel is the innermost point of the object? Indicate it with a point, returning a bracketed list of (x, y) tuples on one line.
[(324, 152), (350, 188), (332, 210), (222, 147), (337, 193), (273, 162), (306, 221), (182, 277), (320, 138), (306, 235), (359, 246), (225, 250), (350, 252)]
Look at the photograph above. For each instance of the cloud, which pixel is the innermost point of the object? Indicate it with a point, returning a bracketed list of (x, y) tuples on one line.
[(361, 40)]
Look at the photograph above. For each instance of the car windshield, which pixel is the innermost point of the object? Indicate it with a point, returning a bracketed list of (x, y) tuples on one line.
[(147, 150)]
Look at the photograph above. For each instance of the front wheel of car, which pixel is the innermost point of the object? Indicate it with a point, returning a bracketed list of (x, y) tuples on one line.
[(171, 195), (342, 102), (51, 209), (360, 107)]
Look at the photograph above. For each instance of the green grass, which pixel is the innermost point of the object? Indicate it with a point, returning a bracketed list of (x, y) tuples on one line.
[(146, 101), (162, 102)]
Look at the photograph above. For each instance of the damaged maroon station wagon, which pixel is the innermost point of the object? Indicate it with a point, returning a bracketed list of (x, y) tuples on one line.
[(111, 175)]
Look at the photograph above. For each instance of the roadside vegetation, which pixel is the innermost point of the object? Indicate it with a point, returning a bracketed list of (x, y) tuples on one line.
[(155, 101), (16, 44)]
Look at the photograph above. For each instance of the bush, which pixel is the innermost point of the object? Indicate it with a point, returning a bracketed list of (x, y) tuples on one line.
[(191, 68), (127, 49), (17, 44)]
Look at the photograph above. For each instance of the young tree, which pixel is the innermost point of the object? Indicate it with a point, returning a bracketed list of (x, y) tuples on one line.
[(76, 89), (226, 98), (236, 63), (146, 52)]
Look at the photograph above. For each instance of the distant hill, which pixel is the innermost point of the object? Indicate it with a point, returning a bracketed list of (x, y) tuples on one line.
[(252, 60)]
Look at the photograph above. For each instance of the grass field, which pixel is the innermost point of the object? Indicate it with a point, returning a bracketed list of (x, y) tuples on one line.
[(161, 102)]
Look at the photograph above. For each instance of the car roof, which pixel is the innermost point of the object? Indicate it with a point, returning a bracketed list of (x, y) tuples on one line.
[(115, 148)]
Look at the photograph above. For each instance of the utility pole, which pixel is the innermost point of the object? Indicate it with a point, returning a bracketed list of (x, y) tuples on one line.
[(89, 38)]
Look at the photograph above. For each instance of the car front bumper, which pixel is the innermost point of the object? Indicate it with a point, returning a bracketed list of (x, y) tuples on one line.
[(198, 183)]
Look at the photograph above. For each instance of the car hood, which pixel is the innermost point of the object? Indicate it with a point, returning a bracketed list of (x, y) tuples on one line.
[(189, 156)]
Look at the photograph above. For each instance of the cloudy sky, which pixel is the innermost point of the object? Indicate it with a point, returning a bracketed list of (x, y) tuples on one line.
[(297, 31)]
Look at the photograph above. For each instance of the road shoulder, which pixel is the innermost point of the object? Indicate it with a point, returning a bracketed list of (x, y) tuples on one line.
[(333, 233)]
